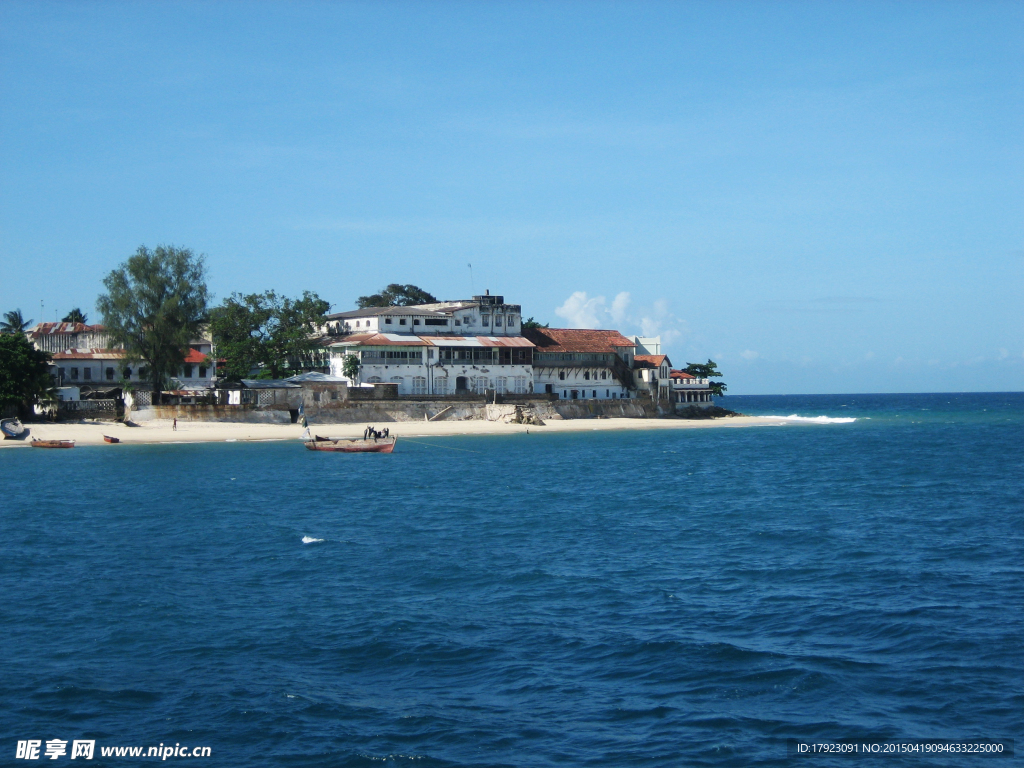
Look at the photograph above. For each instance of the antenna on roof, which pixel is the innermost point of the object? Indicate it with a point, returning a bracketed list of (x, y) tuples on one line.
[(472, 290)]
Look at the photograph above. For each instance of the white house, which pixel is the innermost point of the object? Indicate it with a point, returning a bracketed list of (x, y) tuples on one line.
[(485, 315), (581, 364), (437, 365), (687, 389)]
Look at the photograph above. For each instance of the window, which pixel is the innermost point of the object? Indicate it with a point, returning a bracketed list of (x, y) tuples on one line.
[(606, 393), (480, 384), (511, 320), (561, 375), (419, 385), (126, 374), (497, 320), (435, 321), (520, 386), (142, 372), (186, 371), (500, 385), (595, 393), (416, 321), (457, 321), (386, 320), (357, 323), (441, 385), (202, 371), (374, 380), (604, 374), (87, 373), (485, 320), (63, 373), (110, 374), (74, 373), (586, 375), (397, 380), (401, 321)]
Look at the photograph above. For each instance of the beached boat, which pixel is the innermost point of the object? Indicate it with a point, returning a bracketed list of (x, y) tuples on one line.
[(109, 439), (343, 445), (12, 428), (52, 443)]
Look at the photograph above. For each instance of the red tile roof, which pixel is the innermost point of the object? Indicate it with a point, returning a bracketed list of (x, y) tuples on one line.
[(195, 356), (674, 374), (576, 340), (654, 360)]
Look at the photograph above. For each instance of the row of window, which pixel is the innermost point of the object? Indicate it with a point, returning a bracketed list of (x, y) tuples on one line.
[(499, 320), (480, 384), (586, 375), (109, 373)]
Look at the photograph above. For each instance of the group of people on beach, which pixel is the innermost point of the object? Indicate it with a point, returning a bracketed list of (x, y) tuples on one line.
[(375, 434)]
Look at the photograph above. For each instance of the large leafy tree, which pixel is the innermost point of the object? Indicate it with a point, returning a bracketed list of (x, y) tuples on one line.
[(14, 322), (397, 295), (708, 370), (264, 330), (76, 315), (529, 324), (154, 306), (24, 373)]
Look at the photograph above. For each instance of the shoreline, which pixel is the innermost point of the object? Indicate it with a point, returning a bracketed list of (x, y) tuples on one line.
[(161, 431)]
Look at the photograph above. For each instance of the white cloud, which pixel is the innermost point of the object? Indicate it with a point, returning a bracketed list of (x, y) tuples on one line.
[(749, 354), (581, 310)]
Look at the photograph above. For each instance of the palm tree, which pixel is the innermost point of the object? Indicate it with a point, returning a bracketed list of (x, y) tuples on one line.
[(74, 316), (14, 322)]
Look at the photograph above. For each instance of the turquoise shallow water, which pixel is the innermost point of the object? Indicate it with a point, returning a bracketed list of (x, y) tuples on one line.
[(638, 598)]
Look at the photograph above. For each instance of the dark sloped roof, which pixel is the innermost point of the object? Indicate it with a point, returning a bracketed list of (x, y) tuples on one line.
[(576, 340)]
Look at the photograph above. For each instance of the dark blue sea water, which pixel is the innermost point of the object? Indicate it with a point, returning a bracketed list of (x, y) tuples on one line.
[(654, 598)]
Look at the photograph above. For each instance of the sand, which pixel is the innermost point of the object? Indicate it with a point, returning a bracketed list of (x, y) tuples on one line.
[(159, 431)]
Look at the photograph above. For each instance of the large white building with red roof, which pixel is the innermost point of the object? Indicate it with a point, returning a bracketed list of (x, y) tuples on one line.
[(582, 364)]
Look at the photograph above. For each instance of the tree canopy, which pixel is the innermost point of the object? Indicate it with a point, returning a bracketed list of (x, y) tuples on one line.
[(264, 330), (14, 322), (708, 370), (76, 315), (530, 323), (397, 295), (154, 306), (24, 373)]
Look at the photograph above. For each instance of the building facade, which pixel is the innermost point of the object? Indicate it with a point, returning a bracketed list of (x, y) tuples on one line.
[(581, 364)]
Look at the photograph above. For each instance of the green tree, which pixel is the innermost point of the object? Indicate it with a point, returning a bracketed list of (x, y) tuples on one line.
[(708, 370), (264, 330), (154, 306), (76, 315), (397, 295), (529, 323), (24, 373), (13, 322), (350, 367)]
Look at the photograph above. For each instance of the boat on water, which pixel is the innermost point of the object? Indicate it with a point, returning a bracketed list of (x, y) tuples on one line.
[(109, 439), (344, 445), (52, 443), (12, 428)]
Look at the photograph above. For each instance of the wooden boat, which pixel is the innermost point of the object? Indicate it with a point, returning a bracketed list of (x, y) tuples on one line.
[(12, 428), (52, 443), (109, 439), (342, 445)]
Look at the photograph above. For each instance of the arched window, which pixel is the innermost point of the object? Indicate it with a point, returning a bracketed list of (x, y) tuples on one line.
[(481, 385), (441, 385), (374, 380), (500, 385), (419, 385)]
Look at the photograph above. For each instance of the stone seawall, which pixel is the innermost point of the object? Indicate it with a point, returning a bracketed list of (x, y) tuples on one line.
[(382, 411)]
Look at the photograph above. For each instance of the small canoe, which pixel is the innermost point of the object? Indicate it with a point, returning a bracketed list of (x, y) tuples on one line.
[(341, 445), (109, 439), (12, 428), (53, 443)]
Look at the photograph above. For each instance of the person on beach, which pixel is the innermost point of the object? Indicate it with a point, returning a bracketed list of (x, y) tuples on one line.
[(174, 426)]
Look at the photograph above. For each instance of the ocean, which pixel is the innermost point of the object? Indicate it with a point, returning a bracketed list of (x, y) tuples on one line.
[(636, 598)]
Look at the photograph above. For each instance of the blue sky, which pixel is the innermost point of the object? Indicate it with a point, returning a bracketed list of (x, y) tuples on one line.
[(823, 197)]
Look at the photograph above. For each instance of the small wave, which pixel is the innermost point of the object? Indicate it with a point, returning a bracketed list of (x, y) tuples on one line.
[(310, 540), (815, 419)]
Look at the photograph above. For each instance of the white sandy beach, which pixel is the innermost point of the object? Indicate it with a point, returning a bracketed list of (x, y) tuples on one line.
[(207, 431)]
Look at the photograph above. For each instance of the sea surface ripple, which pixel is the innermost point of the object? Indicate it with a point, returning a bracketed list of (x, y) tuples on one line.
[(655, 598)]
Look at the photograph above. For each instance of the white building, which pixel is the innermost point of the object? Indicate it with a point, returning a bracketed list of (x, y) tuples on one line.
[(487, 315), (437, 365), (581, 364), (687, 389)]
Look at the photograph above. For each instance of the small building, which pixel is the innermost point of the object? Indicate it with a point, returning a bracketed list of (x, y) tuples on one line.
[(486, 315), (652, 374), (581, 364), (687, 390)]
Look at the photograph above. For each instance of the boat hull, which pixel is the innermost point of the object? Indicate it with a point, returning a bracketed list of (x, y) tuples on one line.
[(12, 429), (378, 445), (53, 443), (109, 439)]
